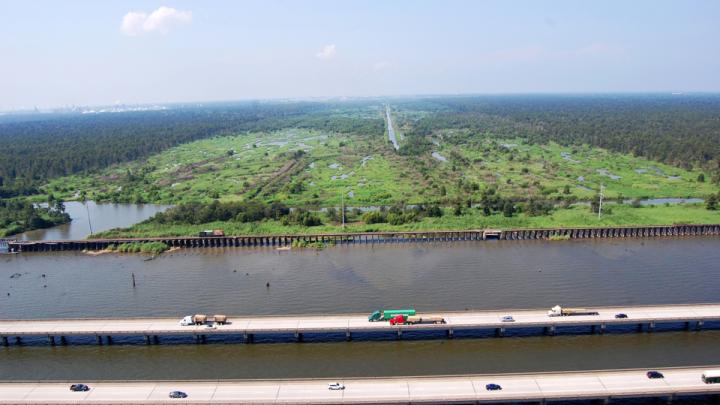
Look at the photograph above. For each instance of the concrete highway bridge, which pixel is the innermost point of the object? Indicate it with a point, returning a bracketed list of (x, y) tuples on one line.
[(468, 389), (639, 317)]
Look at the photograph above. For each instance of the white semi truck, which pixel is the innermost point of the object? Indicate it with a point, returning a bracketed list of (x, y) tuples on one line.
[(557, 310)]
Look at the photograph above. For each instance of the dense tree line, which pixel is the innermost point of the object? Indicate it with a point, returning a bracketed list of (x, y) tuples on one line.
[(198, 213), (38, 147), (399, 214), (251, 211), (676, 129), (17, 215)]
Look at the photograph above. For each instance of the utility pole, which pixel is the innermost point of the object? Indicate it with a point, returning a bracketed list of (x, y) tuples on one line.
[(88, 215), (602, 188), (342, 208)]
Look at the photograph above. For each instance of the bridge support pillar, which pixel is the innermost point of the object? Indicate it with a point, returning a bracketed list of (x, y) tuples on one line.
[(298, 337), (671, 398), (51, 340), (18, 340), (651, 326), (99, 339), (156, 339), (248, 337), (63, 341), (602, 328), (500, 332), (449, 333), (399, 333), (109, 340), (348, 336), (699, 325), (147, 339), (5, 341), (687, 325), (550, 330)]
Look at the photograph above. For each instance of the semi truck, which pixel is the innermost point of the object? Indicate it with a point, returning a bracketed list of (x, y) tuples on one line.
[(211, 232), (387, 314), (557, 310), (200, 319), (412, 320)]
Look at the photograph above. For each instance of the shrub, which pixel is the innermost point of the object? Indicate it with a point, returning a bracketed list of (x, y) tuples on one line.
[(374, 217)]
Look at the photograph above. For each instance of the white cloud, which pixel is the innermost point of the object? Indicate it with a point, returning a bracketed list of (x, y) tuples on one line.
[(160, 20), (327, 52)]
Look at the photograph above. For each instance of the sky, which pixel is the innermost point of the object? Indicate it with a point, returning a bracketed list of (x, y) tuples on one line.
[(80, 53)]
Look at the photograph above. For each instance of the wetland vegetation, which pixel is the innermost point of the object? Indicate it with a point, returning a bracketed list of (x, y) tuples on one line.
[(463, 162)]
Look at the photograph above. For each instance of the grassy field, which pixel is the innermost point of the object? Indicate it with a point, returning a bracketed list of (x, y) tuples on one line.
[(314, 169), (310, 168), (472, 219)]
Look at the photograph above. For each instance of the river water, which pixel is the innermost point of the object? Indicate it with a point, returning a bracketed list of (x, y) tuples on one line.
[(103, 217), (429, 277)]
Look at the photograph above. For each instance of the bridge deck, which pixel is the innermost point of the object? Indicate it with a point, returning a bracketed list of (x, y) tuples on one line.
[(357, 323), (446, 389)]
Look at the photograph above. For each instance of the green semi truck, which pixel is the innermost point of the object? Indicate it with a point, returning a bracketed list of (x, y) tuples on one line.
[(387, 314)]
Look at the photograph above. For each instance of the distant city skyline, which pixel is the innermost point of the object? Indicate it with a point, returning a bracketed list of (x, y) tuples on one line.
[(80, 53)]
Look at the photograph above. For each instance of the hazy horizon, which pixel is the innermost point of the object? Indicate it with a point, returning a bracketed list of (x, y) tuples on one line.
[(163, 52)]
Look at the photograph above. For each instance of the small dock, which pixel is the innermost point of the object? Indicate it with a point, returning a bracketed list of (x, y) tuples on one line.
[(640, 318), (377, 237), (603, 385)]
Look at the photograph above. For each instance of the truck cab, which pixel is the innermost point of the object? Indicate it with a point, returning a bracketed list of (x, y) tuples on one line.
[(375, 316), (397, 320), (187, 321)]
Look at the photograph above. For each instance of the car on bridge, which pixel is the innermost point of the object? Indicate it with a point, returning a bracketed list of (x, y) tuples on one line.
[(336, 386), (79, 388), (621, 316), (177, 394), (654, 374), (493, 387), (508, 318)]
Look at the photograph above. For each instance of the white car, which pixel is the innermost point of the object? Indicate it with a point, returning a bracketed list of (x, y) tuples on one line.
[(336, 386)]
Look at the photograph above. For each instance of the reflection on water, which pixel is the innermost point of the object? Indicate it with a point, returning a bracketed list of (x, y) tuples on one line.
[(432, 276), (102, 218), (361, 359)]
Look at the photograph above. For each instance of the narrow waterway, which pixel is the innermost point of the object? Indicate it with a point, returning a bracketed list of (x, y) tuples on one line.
[(103, 217), (391, 130), (360, 359)]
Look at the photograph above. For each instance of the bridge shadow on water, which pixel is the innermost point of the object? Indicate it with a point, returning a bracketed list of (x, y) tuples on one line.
[(439, 334)]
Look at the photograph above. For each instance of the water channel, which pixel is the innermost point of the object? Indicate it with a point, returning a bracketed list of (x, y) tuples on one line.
[(103, 217), (441, 276)]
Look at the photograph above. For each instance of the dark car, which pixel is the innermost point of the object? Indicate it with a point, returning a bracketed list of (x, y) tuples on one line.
[(493, 387), (654, 374), (178, 394), (79, 388), (620, 316)]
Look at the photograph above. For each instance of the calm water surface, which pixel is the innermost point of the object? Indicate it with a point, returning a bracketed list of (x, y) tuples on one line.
[(452, 276), (474, 275), (361, 359), (103, 217)]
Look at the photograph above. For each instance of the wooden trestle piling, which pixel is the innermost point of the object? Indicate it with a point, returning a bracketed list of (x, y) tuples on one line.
[(376, 237)]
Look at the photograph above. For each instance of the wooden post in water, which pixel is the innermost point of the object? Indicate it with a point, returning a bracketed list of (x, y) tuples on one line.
[(133, 279)]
